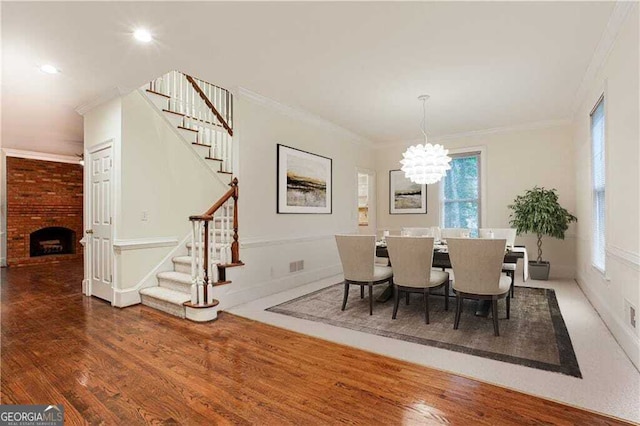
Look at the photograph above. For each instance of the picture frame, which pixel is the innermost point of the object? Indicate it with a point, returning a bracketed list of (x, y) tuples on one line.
[(406, 197), (304, 182)]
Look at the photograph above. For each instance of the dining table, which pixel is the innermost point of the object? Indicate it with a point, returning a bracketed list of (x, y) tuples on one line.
[(442, 260)]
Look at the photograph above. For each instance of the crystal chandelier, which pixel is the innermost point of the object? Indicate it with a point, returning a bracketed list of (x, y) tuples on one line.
[(425, 164)]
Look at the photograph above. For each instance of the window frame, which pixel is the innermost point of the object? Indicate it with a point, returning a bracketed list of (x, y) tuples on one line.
[(481, 151), (592, 187)]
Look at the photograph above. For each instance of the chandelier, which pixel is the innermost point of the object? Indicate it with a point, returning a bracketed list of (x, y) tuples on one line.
[(425, 164)]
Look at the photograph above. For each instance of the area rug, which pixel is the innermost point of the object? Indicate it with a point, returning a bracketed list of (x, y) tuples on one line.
[(535, 335)]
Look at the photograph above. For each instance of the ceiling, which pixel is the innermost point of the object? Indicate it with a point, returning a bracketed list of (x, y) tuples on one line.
[(358, 65)]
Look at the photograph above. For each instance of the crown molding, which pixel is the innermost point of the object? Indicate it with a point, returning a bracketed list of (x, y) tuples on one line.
[(108, 95), (303, 115), (495, 130), (618, 16), (42, 156)]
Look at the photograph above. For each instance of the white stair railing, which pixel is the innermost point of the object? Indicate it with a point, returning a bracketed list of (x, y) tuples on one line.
[(213, 121)]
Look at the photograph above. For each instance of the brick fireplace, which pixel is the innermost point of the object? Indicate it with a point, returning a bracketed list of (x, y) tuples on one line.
[(44, 211)]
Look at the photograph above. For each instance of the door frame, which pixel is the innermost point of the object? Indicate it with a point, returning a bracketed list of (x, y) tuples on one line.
[(373, 198), (88, 255)]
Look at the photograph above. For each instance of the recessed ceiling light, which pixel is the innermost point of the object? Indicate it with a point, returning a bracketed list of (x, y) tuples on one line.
[(142, 35), (49, 69)]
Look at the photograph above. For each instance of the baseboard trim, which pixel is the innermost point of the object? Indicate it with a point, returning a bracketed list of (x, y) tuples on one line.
[(626, 339), (124, 298), (144, 243)]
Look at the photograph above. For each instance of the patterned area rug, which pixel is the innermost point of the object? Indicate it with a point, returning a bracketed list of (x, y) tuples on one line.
[(535, 335)]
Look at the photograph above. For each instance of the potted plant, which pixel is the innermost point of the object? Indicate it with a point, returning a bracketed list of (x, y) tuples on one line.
[(538, 212)]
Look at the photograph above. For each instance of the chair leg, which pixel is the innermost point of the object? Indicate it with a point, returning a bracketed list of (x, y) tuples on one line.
[(508, 306), (396, 301), (426, 305), (370, 298), (361, 291), (446, 296), (346, 295), (406, 295), (513, 286), (456, 322), (494, 314)]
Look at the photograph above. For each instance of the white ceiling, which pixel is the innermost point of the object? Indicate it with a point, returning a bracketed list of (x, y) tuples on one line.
[(359, 65)]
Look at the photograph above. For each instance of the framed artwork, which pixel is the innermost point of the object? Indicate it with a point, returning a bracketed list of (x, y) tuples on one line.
[(406, 197), (304, 182)]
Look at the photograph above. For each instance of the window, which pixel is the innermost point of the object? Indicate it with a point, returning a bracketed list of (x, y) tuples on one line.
[(363, 199), (598, 185), (461, 193)]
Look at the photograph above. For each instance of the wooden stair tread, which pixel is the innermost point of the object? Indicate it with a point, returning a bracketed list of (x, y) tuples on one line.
[(174, 112), (158, 93), (200, 144), (186, 128), (213, 159), (211, 305), (226, 173), (230, 265)]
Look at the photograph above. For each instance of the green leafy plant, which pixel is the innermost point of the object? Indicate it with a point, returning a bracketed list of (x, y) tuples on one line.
[(538, 212)]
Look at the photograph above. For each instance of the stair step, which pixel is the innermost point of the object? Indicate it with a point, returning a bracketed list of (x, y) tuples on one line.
[(182, 264), (166, 300), (159, 99), (177, 281)]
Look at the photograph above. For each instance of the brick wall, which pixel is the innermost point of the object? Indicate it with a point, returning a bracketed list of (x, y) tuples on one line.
[(41, 194)]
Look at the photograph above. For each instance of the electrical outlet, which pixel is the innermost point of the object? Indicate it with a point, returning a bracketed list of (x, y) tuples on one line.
[(145, 216), (630, 312)]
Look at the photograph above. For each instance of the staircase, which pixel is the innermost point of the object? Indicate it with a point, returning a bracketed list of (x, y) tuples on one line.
[(201, 112), (203, 115)]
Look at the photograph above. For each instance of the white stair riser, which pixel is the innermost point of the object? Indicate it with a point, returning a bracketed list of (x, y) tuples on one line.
[(189, 135), (203, 151), (164, 306), (185, 268), (175, 285), (174, 119), (160, 101)]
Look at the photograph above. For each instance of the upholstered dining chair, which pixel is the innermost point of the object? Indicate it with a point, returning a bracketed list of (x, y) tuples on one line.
[(357, 254), (411, 258), (477, 270), (508, 234)]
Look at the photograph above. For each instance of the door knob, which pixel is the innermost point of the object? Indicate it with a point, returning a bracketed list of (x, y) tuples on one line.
[(89, 231)]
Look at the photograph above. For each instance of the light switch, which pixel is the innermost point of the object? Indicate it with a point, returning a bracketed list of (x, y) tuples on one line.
[(145, 215)]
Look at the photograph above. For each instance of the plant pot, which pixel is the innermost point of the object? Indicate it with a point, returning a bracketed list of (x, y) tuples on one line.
[(539, 270)]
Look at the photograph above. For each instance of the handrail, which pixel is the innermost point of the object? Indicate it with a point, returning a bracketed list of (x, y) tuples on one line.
[(206, 100), (205, 270)]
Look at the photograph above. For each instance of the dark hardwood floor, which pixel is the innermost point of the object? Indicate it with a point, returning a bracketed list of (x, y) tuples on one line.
[(136, 365)]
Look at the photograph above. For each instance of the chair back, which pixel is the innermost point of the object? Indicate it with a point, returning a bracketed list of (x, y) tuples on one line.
[(411, 259), (357, 254), (446, 233), (508, 234), (477, 264), (416, 232)]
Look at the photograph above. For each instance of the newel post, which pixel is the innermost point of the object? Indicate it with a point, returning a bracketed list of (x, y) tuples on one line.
[(235, 246)]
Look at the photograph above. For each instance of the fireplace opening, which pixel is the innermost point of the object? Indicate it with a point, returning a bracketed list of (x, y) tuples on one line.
[(52, 240)]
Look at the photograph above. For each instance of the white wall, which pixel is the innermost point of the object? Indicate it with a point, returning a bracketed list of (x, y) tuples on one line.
[(270, 241), (618, 80), (516, 160), (162, 176)]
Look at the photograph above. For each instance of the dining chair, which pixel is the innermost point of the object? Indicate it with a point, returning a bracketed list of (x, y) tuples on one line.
[(411, 258), (510, 235), (357, 254), (477, 270)]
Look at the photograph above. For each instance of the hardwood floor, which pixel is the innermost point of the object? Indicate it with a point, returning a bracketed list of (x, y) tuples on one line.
[(136, 365)]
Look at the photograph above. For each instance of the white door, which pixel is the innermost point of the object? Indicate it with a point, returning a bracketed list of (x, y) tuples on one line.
[(100, 195), (366, 202)]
